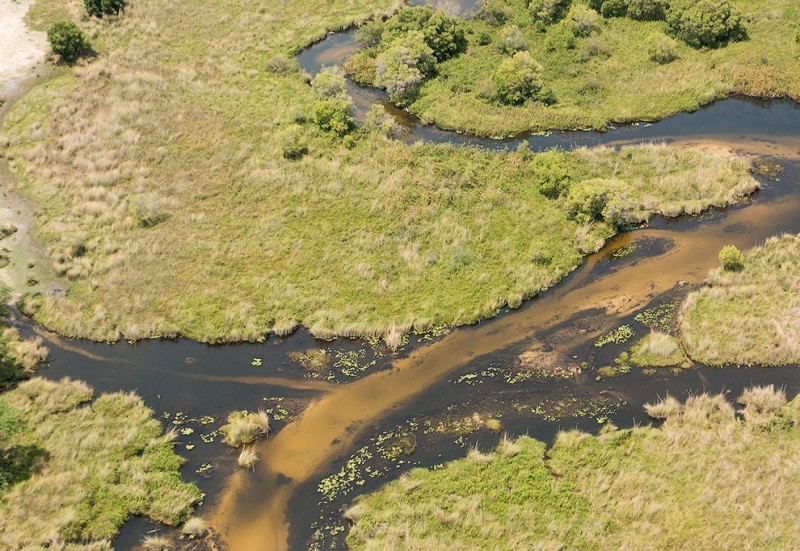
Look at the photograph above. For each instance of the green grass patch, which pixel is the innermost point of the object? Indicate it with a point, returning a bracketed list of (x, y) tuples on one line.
[(657, 350), (84, 465), (704, 478), (749, 316), (602, 70), (169, 206)]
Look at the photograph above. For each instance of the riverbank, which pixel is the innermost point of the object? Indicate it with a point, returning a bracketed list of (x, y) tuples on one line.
[(704, 478)]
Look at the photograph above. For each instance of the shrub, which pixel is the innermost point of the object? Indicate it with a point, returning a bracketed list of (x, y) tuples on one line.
[(560, 39), (195, 527), (243, 427), (661, 48), (549, 11), (517, 79), (444, 35), (512, 40), (705, 23), (584, 21), (495, 12), (647, 10), (731, 258), (281, 63), (403, 67), (99, 8), (292, 142), (550, 174), (369, 34), (334, 115), (329, 83), (596, 5), (68, 41), (586, 201), (614, 8)]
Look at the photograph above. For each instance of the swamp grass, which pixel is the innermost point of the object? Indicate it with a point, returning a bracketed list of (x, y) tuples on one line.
[(607, 75), (749, 316), (705, 479), (167, 203), (98, 461)]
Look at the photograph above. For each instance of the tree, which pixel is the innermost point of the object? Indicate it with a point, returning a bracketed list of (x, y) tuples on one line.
[(705, 23), (403, 66), (587, 200), (444, 35), (549, 11), (334, 115), (99, 8), (614, 8), (731, 258), (329, 83), (68, 41), (517, 79), (647, 10), (512, 40)]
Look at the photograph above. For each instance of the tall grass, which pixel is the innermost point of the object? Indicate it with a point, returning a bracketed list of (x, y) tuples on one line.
[(160, 231), (704, 479), (102, 460), (750, 316)]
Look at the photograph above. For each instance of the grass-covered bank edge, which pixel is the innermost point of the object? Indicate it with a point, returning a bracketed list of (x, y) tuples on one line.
[(82, 465), (277, 223), (707, 477)]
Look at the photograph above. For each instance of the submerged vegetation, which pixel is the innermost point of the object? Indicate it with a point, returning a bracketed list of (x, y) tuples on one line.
[(749, 313), (81, 466), (536, 65), (706, 477)]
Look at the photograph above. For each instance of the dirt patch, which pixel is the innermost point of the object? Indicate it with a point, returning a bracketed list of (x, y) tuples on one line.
[(21, 49)]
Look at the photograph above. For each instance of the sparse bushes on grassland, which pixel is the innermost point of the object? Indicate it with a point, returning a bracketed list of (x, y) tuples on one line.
[(68, 42)]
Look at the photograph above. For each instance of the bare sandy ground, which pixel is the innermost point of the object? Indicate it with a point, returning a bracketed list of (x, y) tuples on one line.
[(20, 48)]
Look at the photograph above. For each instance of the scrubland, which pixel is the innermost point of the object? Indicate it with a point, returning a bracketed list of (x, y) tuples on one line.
[(706, 478), (602, 70)]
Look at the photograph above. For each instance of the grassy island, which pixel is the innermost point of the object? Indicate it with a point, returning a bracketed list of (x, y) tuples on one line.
[(522, 65), (707, 478)]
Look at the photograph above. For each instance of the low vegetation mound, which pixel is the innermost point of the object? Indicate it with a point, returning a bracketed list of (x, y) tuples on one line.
[(706, 478), (592, 68), (291, 214), (77, 467), (749, 313)]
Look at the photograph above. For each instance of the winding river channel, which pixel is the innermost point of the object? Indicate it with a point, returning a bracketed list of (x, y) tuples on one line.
[(439, 389)]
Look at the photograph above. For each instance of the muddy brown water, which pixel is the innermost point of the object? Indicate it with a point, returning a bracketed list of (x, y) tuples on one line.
[(278, 505)]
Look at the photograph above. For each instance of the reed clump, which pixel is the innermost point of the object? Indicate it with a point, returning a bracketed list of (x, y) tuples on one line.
[(244, 427)]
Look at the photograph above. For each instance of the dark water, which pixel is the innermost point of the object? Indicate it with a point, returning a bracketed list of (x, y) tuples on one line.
[(186, 381)]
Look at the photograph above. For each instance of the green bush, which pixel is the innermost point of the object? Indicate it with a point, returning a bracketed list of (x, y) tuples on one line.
[(731, 258), (99, 8), (584, 20), (596, 5), (512, 40), (444, 35), (661, 49), (549, 11), (550, 174), (647, 10), (495, 12), (614, 8), (587, 200), (559, 39), (68, 41), (369, 34), (329, 83), (292, 142), (334, 115), (517, 79), (705, 23), (402, 67)]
